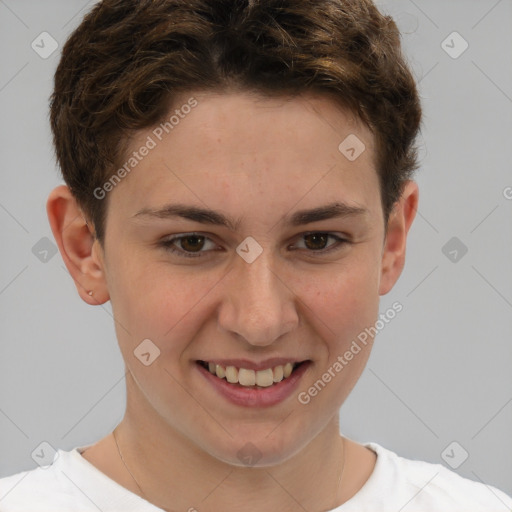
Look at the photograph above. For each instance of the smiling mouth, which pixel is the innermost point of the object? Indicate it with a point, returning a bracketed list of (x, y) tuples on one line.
[(250, 378)]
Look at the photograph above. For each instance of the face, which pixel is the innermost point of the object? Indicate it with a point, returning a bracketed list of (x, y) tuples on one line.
[(286, 266)]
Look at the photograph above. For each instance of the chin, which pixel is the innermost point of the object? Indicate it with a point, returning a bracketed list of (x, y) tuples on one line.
[(257, 450)]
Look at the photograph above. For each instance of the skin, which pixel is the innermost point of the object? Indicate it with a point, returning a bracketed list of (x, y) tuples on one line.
[(258, 160)]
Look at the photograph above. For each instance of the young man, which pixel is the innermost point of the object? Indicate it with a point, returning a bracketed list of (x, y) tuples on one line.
[(239, 187)]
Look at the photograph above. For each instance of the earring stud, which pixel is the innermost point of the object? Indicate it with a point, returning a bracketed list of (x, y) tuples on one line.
[(90, 293)]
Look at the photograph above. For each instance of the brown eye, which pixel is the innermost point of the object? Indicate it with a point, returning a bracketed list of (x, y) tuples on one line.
[(316, 241), (192, 243), (320, 242)]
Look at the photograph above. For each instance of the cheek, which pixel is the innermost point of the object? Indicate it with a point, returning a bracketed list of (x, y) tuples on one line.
[(344, 301), (158, 302), (341, 306)]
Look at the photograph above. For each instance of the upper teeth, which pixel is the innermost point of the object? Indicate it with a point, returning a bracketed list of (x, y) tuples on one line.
[(245, 377)]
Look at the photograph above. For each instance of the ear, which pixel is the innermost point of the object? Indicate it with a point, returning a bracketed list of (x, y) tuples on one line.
[(80, 250), (399, 222)]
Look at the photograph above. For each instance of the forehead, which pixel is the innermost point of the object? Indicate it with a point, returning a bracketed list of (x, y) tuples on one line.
[(229, 145), (249, 123)]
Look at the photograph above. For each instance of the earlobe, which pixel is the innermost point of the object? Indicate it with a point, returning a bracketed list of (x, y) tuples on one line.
[(399, 223), (79, 249)]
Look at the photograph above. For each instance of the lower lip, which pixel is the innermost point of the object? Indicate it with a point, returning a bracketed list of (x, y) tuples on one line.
[(256, 397)]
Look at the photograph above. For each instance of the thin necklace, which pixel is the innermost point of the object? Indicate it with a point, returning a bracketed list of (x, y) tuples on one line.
[(143, 494), (120, 455), (342, 467)]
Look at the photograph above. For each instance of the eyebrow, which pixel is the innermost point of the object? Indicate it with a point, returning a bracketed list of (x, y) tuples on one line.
[(207, 216)]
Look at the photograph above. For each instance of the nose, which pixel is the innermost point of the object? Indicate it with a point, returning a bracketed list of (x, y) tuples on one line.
[(258, 303)]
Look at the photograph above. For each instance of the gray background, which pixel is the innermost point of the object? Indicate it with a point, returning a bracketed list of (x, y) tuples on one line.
[(440, 371)]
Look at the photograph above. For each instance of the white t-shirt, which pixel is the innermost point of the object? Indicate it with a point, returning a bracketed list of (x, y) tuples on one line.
[(72, 484)]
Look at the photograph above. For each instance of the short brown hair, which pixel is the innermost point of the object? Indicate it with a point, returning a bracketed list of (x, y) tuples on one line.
[(123, 66)]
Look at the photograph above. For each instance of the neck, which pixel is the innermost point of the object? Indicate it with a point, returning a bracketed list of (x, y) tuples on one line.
[(173, 473)]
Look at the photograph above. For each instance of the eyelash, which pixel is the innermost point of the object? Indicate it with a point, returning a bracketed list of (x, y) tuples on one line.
[(169, 244)]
